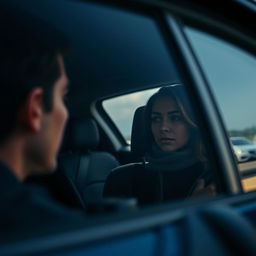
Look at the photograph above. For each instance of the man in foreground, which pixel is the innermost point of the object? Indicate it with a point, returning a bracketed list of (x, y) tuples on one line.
[(33, 115)]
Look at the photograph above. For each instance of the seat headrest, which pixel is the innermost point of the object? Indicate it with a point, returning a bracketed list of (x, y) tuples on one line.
[(138, 137), (81, 135)]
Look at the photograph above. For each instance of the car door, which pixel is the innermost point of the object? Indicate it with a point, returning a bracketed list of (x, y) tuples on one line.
[(166, 229)]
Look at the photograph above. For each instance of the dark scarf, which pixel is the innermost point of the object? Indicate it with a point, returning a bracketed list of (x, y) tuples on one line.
[(158, 160)]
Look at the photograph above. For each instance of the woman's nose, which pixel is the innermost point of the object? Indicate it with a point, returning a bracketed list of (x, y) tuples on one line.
[(165, 125)]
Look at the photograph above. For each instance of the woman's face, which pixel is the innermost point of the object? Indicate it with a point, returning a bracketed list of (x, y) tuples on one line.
[(168, 126)]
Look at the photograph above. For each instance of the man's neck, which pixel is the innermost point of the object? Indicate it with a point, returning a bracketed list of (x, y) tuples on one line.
[(10, 154)]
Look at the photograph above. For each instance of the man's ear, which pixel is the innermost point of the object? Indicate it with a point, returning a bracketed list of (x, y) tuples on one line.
[(31, 113)]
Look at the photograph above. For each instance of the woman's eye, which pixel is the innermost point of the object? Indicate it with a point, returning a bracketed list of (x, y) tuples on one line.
[(176, 118), (156, 119)]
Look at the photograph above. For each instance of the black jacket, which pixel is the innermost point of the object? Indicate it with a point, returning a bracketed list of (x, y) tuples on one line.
[(24, 207), (148, 186)]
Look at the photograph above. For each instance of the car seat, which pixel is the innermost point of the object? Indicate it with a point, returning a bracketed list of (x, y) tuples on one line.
[(138, 136), (84, 166), (138, 149)]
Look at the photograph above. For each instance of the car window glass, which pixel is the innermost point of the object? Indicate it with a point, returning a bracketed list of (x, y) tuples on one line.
[(126, 51), (231, 74), (114, 51), (121, 110), (121, 51)]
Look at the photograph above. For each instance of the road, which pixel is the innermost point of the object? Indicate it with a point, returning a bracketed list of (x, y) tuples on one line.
[(249, 183), (247, 166)]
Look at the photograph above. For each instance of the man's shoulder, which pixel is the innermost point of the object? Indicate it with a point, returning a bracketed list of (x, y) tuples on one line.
[(26, 205), (33, 200)]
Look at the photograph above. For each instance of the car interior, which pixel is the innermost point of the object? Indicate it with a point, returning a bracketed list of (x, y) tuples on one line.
[(123, 49)]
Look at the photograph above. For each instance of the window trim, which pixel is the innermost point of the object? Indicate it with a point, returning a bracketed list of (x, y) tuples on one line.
[(102, 230)]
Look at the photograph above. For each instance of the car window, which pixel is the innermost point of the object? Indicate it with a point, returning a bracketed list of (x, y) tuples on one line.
[(121, 110), (231, 74), (125, 52)]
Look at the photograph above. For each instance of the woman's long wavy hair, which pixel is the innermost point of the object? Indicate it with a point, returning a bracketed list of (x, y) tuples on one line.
[(177, 93)]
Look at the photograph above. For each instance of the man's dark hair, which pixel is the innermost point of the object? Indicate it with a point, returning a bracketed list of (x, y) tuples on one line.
[(28, 58)]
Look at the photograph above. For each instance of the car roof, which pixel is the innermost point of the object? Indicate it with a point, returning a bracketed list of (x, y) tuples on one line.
[(238, 138)]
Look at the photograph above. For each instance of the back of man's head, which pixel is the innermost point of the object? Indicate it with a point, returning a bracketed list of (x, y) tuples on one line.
[(28, 51)]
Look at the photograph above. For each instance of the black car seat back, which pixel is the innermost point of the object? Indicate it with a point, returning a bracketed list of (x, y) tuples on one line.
[(138, 136), (138, 149), (85, 167)]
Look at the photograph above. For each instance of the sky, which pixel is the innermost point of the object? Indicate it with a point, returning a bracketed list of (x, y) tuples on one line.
[(122, 109), (231, 73)]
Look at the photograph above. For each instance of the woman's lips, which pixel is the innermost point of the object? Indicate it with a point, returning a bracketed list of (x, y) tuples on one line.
[(167, 140)]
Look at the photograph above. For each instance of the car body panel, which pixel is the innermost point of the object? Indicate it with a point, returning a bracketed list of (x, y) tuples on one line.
[(242, 155), (244, 148), (162, 233)]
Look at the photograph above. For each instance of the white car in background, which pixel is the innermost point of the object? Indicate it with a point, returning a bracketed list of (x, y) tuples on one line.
[(244, 149)]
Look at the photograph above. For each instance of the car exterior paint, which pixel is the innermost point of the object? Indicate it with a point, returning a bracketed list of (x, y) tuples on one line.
[(243, 148)]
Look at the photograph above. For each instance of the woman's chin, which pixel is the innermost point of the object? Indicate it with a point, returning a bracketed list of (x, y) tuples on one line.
[(168, 148)]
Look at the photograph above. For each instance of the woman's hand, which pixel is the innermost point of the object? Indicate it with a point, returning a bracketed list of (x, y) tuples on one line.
[(202, 190)]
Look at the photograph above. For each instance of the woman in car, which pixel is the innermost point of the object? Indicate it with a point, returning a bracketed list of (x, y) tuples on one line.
[(175, 166)]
